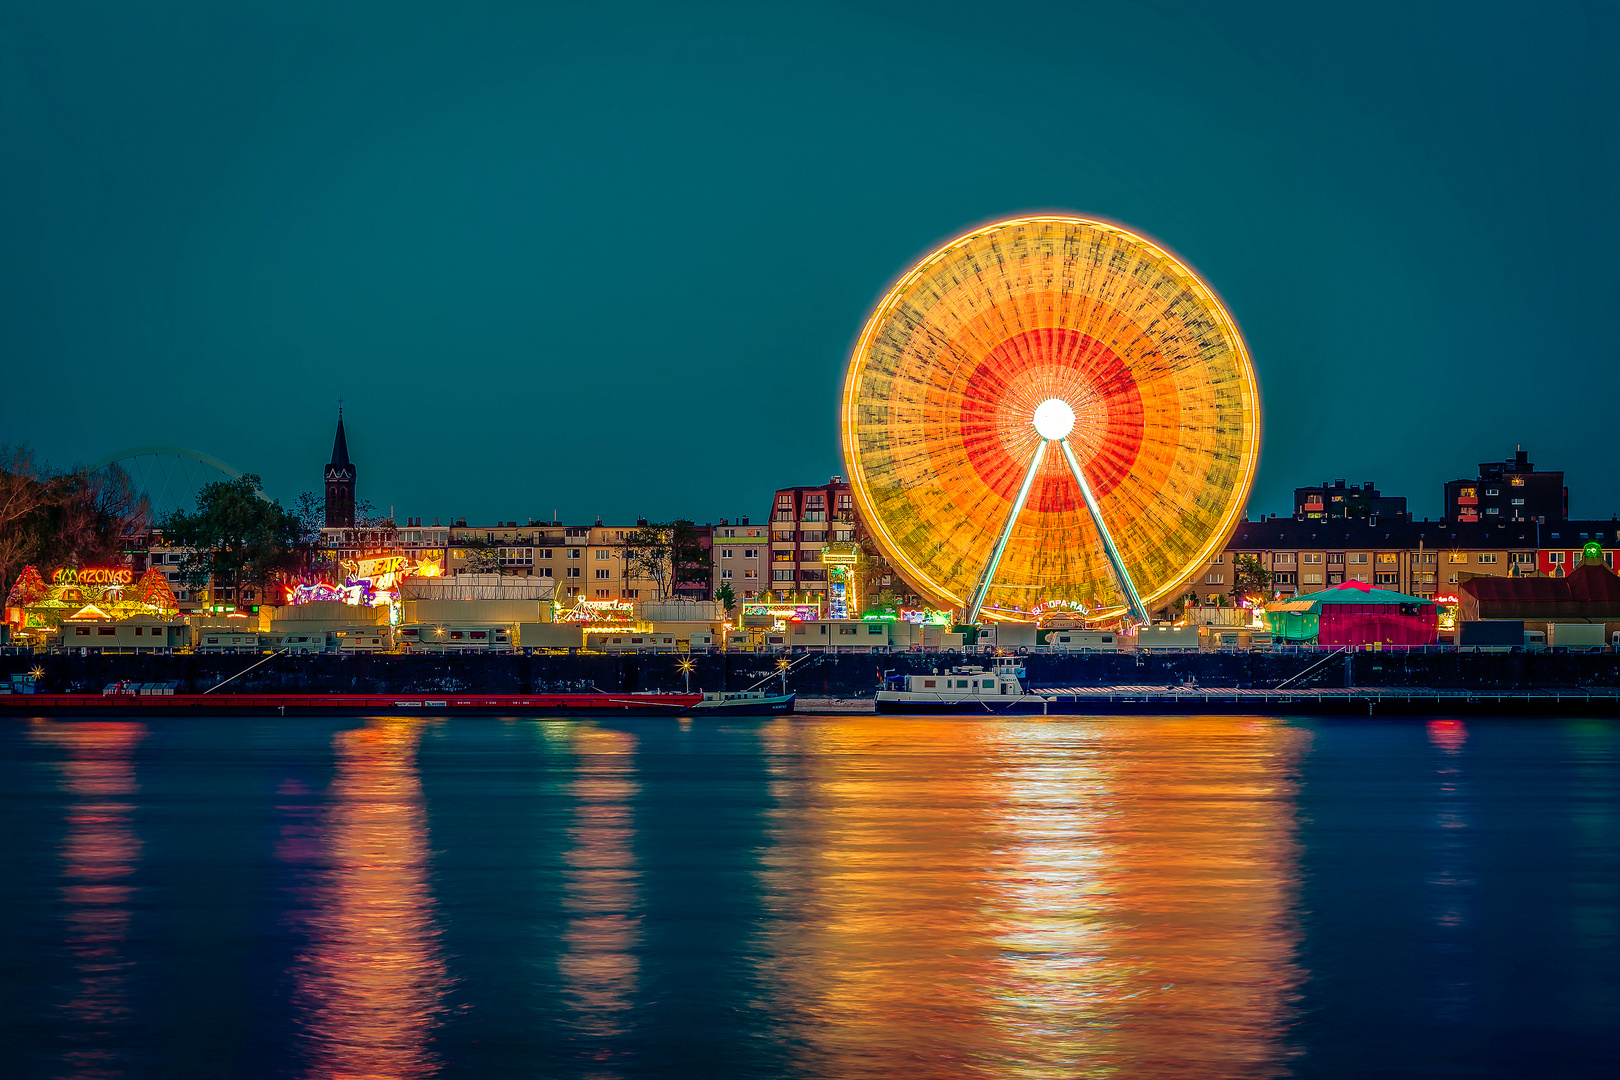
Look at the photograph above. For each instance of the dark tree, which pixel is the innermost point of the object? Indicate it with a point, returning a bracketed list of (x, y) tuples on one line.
[(237, 537)]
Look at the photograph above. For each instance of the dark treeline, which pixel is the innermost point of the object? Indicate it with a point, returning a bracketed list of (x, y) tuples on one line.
[(51, 516)]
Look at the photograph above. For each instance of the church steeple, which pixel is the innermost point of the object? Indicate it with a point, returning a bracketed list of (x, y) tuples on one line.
[(340, 482)]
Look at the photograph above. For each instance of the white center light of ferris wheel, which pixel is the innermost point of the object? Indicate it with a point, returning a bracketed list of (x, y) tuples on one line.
[(1054, 419)]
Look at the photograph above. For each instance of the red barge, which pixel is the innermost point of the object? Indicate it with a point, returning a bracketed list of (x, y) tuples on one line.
[(553, 705)]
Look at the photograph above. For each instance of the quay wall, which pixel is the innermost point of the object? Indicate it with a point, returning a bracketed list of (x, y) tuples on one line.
[(841, 675)]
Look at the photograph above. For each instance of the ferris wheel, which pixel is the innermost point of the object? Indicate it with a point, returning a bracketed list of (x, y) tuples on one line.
[(1050, 412), (169, 477)]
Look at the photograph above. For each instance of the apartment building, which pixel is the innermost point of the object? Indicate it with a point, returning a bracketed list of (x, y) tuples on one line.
[(582, 560), (1511, 490), (804, 521), (1422, 558), (1341, 500), (740, 558)]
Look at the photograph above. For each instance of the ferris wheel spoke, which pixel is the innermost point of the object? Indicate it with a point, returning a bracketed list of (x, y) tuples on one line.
[(1127, 588), (982, 589)]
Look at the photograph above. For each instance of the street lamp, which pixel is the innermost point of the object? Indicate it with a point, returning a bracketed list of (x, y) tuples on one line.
[(686, 667)]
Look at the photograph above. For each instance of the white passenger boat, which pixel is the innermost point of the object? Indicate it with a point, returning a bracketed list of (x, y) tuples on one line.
[(969, 688)]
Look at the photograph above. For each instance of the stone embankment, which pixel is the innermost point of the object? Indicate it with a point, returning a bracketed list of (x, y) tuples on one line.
[(821, 677)]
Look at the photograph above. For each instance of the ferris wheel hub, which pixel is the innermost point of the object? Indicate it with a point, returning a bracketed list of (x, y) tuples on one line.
[(1054, 419)]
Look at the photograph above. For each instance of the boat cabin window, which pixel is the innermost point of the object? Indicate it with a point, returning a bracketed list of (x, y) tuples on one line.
[(989, 682), (929, 684)]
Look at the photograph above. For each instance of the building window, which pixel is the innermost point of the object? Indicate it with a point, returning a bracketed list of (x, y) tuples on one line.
[(815, 515), (1214, 579), (750, 553), (1457, 557), (1522, 558), (1492, 510), (1387, 579), (602, 554), (602, 594), (1311, 579), (1358, 558), (781, 575), (1335, 558), (603, 574), (725, 574), (1218, 560), (750, 574), (573, 553), (1283, 558), (1518, 502), (1492, 491), (573, 571), (1388, 558), (1312, 558), (1555, 556), (781, 556), (810, 555), (843, 535), (1489, 557), (1335, 579), (725, 553), (815, 536), (1517, 481), (783, 536), (1284, 578)]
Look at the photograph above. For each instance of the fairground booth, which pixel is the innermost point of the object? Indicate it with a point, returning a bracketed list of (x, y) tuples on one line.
[(1590, 594), (1353, 614), (95, 608)]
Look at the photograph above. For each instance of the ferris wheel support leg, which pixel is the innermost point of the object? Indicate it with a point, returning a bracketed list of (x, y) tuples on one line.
[(970, 614), (1127, 587)]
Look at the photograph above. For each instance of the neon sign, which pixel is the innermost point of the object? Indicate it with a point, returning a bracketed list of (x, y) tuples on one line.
[(92, 575)]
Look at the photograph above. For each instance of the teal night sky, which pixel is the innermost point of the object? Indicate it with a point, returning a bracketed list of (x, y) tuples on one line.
[(610, 260)]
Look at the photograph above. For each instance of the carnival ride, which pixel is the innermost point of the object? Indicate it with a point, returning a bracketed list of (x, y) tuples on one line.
[(1050, 411), (168, 476)]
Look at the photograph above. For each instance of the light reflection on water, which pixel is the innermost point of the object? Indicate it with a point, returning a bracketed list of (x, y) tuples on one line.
[(810, 897), (372, 980), (99, 854), (598, 965), (1034, 900)]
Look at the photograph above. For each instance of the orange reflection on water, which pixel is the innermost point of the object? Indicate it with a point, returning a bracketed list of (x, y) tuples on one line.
[(1029, 899), (598, 964), (99, 856), (373, 978)]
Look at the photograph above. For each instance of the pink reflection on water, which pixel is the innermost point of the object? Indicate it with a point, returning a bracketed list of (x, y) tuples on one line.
[(98, 855), (372, 980), (598, 964)]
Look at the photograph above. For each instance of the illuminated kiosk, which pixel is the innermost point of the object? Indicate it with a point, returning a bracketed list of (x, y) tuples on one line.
[(1050, 411), (96, 608)]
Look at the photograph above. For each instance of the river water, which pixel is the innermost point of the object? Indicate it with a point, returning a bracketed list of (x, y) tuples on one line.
[(809, 897)]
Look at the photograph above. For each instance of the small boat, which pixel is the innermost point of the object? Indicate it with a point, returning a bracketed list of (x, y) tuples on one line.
[(743, 703), (964, 689)]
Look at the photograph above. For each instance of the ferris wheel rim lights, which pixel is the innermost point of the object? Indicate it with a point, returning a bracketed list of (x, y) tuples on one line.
[(1228, 396)]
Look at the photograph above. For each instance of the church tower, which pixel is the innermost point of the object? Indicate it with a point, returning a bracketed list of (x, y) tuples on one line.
[(340, 483)]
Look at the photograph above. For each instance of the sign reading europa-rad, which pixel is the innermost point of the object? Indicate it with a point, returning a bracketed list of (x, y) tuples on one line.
[(92, 575)]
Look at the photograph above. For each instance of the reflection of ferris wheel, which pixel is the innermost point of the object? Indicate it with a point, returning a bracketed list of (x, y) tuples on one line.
[(169, 476), (1050, 410)]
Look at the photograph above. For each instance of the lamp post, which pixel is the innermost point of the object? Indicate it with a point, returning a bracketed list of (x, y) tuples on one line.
[(686, 670)]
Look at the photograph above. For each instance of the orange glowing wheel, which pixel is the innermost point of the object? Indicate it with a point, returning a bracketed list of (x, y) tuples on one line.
[(1050, 411)]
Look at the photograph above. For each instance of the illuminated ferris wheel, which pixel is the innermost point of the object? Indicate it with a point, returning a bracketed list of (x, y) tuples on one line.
[(1050, 411)]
